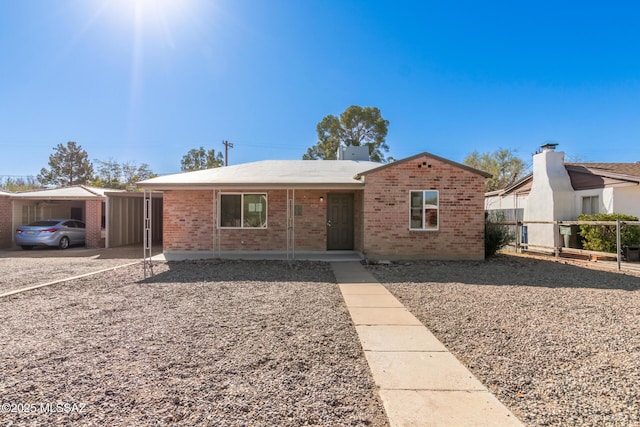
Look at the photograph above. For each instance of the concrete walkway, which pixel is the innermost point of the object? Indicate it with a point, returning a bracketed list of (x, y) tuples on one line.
[(421, 383)]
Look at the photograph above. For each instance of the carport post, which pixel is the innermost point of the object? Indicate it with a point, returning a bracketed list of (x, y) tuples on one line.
[(106, 223), (147, 236)]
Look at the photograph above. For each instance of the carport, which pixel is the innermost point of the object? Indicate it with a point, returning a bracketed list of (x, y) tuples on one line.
[(113, 217)]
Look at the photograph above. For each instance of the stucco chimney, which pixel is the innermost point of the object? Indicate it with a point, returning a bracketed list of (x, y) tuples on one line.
[(551, 197)]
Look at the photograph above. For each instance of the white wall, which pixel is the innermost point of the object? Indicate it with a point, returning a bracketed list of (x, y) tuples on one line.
[(626, 200)]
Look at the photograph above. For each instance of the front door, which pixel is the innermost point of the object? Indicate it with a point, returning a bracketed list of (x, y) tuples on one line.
[(339, 221)]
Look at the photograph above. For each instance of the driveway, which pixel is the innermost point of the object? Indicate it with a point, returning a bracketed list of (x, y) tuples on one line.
[(21, 269)]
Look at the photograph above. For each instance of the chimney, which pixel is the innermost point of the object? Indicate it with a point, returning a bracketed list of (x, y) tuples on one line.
[(551, 197), (549, 146)]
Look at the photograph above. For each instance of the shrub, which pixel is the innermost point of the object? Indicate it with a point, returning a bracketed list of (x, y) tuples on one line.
[(603, 237), (496, 235)]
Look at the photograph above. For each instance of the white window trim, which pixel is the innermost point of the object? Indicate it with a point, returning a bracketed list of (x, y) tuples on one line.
[(423, 228), (266, 220)]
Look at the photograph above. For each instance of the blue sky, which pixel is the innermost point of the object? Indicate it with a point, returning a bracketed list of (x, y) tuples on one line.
[(147, 80)]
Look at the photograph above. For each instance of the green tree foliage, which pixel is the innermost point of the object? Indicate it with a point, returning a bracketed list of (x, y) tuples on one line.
[(112, 174), (504, 166), (356, 126), (132, 173), (603, 237), (108, 175), (17, 184), (198, 159), (69, 165)]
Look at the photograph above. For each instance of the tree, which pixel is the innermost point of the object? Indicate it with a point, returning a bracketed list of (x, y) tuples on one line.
[(108, 176), (132, 173), (504, 166), (17, 184), (356, 126), (69, 165), (198, 159), (112, 174)]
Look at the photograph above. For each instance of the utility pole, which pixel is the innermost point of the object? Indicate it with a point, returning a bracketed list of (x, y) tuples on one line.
[(227, 145)]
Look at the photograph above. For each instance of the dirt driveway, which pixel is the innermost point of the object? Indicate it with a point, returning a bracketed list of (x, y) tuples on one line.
[(20, 269)]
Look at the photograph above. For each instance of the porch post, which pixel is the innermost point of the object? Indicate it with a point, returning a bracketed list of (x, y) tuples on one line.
[(291, 236), (216, 226)]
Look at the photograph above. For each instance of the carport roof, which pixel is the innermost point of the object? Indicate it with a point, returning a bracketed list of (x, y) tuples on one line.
[(78, 192), (269, 173)]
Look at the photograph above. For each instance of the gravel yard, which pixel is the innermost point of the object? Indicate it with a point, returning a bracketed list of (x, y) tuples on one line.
[(20, 269), (557, 343), (202, 343)]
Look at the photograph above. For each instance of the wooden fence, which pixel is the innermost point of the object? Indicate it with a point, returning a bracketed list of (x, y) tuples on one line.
[(559, 249)]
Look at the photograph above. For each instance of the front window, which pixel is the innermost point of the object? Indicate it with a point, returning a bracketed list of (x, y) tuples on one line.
[(243, 210), (425, 210), (590, 205)]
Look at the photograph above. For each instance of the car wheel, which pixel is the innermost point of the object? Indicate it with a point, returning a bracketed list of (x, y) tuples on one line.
[(26, 247), (64, 243)]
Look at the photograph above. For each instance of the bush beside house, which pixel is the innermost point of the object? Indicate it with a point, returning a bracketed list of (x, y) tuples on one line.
[(603, 237)]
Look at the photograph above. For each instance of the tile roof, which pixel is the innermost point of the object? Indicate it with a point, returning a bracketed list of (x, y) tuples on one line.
[(631, 169)]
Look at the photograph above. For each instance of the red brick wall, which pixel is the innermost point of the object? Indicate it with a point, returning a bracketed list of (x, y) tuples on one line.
[(386, 212), (6, 231), (189, 222), (93, 222)]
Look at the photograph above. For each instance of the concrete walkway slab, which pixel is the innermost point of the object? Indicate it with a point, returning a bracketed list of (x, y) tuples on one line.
[(382, 316), (420, 371), (421, 383), (398, 338), (351, 272), (445, 409), (364, 289), (372, 300)]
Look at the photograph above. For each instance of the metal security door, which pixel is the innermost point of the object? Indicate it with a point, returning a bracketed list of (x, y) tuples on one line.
[(339, 221)]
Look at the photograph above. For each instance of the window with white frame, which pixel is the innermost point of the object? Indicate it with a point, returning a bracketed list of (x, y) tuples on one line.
[(425, 210), (590, 205), (243, 210)]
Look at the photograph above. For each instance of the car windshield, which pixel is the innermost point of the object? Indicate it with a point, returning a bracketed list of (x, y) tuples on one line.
[(43, 223)]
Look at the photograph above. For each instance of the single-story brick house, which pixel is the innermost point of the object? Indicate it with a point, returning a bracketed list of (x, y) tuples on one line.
[(423, 206)]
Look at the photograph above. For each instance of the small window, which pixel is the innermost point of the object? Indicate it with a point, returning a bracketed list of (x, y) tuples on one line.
[(424, 210), (590, 205), (243, 210)]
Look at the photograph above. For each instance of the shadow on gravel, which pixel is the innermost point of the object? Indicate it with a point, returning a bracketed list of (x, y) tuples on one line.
[(241, 270), (504, 270), (133, 252)]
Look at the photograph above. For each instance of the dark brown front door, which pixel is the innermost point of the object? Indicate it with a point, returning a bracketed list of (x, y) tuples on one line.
[(339, 221)]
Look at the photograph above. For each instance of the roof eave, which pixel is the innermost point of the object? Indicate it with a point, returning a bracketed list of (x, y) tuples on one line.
[(253, 186)]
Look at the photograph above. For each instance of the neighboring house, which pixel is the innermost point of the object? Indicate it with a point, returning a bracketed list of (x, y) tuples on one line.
[(559, 191), (112, 217), (423, 206)]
